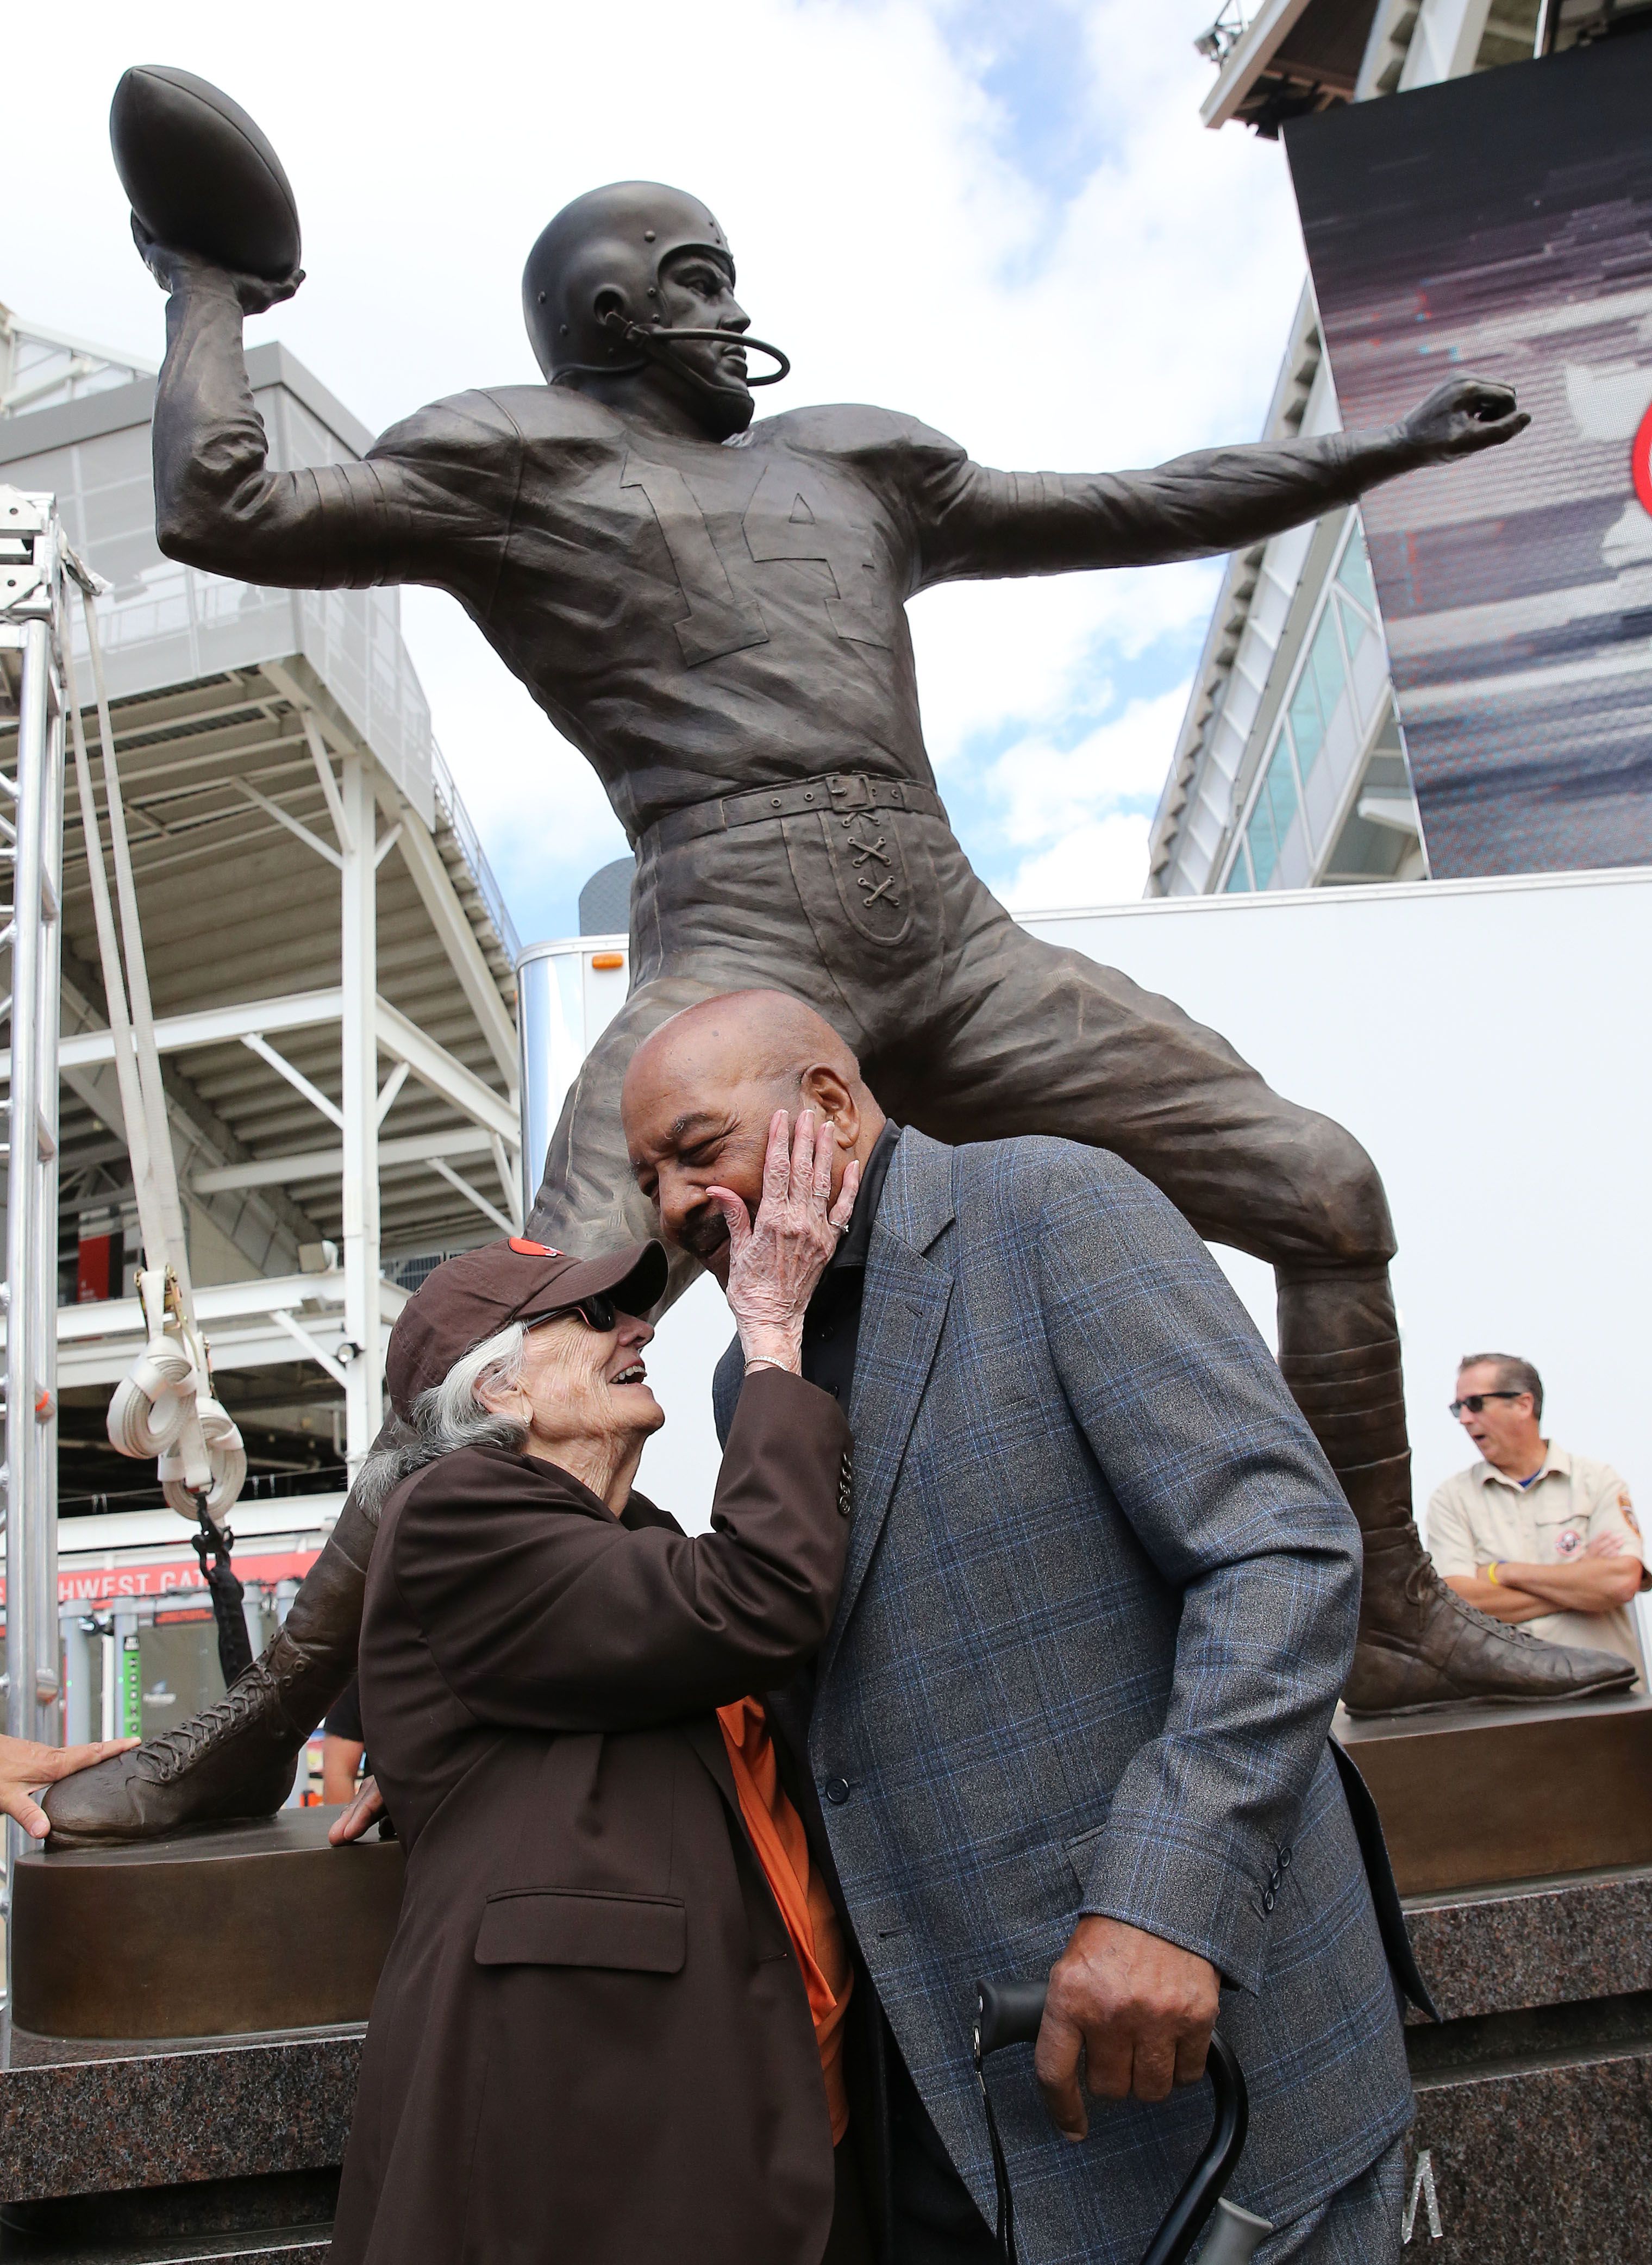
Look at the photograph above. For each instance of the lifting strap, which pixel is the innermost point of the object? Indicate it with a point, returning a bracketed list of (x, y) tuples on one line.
[(166, 1408)]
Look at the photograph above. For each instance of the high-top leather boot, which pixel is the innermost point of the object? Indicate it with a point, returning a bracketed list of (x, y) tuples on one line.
[(1419, 1644), (238, 1758)]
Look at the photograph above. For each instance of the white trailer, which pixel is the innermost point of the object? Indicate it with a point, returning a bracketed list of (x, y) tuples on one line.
[(1487, 1040)]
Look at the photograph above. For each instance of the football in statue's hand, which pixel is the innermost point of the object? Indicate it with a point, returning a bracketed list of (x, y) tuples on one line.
[(200, 175)]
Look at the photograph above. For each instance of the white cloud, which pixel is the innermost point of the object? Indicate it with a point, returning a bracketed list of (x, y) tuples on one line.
[(887, 236), (1048, 792), (1103, 861)]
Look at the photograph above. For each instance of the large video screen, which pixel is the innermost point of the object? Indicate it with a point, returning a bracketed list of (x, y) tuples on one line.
[(1502, 224)]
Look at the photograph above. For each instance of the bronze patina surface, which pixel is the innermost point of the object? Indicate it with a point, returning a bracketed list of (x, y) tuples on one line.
[(1472, 1795), (221, 1932), (712, 609)]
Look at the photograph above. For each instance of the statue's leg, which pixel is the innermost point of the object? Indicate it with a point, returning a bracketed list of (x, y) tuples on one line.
[(587, 1200), (238, 1758), (1033, 1038)]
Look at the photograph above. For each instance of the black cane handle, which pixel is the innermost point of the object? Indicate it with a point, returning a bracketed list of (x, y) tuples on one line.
[(1010, 2014)]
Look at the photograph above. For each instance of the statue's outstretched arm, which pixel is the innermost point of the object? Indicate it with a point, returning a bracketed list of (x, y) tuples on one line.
[(986, 523), (404, 513)]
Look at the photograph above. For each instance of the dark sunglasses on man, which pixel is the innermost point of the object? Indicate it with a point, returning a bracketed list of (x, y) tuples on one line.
[(1474, 1401)]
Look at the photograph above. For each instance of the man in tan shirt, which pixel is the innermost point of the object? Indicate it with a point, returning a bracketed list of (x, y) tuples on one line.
[(1533, 1534)]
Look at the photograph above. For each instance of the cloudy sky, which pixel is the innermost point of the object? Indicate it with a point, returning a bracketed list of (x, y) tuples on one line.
[(1007, 220)]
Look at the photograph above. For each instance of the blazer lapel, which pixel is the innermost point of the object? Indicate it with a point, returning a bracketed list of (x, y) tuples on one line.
[(902, 1314)]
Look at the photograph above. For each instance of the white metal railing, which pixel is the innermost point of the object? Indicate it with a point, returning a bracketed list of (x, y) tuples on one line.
[(469, 842)]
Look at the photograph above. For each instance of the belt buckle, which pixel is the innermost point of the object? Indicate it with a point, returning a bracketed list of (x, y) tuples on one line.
[(850, 790)]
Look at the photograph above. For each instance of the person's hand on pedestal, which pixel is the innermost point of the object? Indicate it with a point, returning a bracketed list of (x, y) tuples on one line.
[(26, 1765), (352, 1823)]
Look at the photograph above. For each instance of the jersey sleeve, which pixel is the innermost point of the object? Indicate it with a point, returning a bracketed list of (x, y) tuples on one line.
[(974, 523), (1451, 1540), (431, 502)]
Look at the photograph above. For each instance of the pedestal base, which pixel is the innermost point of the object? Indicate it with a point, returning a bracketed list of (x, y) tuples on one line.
[(1473, 1795), (221, 1932), (1534, 2095), (140, 2154)]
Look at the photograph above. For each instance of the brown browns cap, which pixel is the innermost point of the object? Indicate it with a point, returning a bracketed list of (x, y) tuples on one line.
[(466, 1300)]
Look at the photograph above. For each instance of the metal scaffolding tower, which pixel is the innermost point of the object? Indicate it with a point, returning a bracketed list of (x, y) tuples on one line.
[(34, 570)]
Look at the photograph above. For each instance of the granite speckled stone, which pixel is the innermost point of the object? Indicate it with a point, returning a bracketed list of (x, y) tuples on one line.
[(1536, 2166), (1543, 1943), (78, 2119), (286, 2215)]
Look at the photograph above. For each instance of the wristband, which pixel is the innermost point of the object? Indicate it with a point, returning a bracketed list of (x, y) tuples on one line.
[(1491, 1573), (762, 1360)]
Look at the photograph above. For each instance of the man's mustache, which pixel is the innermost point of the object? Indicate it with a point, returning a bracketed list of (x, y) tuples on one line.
[(704, 1234)]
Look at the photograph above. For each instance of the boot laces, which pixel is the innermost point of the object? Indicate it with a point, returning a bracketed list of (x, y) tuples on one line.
[(170, 1752), (1424, 1586)]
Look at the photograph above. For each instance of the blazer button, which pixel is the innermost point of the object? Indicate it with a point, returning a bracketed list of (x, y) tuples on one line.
[(1267, 1901), (836, 1790)]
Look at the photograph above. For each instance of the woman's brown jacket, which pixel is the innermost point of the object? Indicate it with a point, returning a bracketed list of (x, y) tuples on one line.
[(591, 2044)]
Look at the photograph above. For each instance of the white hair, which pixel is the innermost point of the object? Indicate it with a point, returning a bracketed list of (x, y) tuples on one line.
[(451, 1415)]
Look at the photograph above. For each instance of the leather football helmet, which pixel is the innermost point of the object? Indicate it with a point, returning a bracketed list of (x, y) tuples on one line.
[(608, 244)]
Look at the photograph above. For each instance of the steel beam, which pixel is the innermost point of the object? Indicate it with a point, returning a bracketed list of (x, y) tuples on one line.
[(444, 1074), (429, 876), (360, 1024), (328, 1163), (213, 1026)]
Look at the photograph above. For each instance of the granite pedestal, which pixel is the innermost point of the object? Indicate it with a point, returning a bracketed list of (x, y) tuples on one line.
[(235, 1968), (153, 2152), (1534, 2140)]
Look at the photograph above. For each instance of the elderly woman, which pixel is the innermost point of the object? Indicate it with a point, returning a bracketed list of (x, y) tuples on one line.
[(607, 2030)]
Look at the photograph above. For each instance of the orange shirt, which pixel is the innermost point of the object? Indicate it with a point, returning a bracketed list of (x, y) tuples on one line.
[(777, 1836)]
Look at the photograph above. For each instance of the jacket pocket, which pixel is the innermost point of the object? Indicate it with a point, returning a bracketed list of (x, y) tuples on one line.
[(566, 1927), (1082, 1853)]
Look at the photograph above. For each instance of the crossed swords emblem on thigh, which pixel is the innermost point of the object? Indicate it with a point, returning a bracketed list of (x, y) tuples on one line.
[(868, 855)]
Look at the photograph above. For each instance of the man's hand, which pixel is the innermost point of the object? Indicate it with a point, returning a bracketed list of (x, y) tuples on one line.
[(25, 1767), (1140, 2011), (1460, 417), (368, 1805), (174, 271)]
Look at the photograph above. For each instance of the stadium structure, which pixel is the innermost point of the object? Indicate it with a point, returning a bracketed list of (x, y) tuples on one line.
[(1290, 769)]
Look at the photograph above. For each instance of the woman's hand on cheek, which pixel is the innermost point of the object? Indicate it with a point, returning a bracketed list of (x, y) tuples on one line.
[(776, 1259)]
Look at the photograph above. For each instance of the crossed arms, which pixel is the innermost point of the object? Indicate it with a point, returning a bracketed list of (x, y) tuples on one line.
[(1605, 1577)]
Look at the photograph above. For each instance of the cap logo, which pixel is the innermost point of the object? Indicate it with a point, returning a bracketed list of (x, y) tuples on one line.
[(519, 1243)]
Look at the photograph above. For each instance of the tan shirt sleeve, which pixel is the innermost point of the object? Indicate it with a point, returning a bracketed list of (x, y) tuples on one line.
[(1450, 1538), (1610, 1510)]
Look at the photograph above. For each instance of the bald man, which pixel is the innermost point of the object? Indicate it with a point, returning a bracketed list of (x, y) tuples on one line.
[(1072, 1716)]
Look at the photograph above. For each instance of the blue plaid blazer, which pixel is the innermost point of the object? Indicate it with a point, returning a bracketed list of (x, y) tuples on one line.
[(1100, 1599)]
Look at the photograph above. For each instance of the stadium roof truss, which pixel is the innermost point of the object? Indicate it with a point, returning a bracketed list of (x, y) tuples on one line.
[(331, 962)]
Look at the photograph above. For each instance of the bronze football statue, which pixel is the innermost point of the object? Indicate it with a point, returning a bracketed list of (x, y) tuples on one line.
[(713, 610)]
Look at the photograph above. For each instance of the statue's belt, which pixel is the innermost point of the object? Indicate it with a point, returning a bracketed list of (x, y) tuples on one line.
[(845, 791)]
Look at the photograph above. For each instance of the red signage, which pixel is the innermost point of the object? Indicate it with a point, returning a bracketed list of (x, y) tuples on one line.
[(96, 1584), (1641, 461)]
